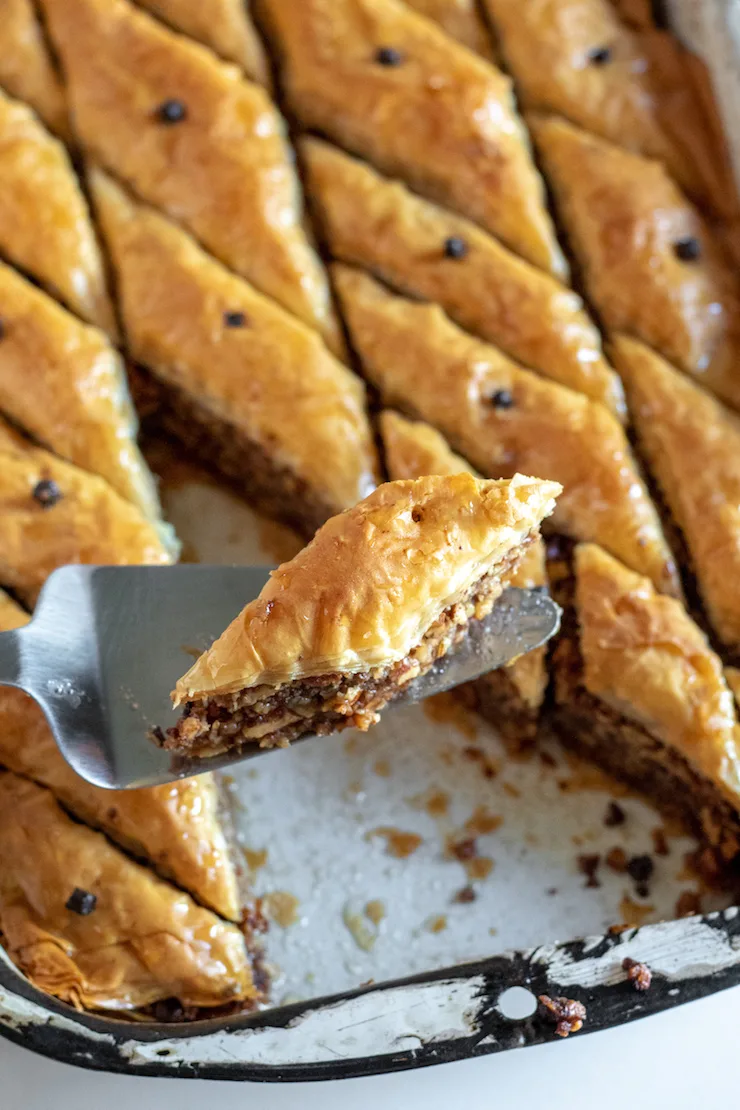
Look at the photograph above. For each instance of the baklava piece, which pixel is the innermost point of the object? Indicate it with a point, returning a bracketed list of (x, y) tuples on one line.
[(650, 264), (692, 446), (505, 419), (461, 20), (394, 88), (192, 136), (244, 385), (88, 925), (65, 384), (53, 513), (26, 67), (383, 590), (428, 252), (640, 692), (576, 59), (45, 226), (224, 25), (510, 697), (175, 827)]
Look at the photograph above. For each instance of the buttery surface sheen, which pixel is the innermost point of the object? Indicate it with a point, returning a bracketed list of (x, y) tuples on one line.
[(271, 376), (65, 384), (224, 169), (503, 419), (45, 225), (626, 220), (224, 25), (88, 522), (144, 941), (460, 19), (441, 117), (372, 581), (26, 68), (692, 444), (644, 656), (378, 224), (413, 449)]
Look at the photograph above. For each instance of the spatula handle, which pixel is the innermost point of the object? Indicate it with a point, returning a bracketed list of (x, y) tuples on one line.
[(10, 658)]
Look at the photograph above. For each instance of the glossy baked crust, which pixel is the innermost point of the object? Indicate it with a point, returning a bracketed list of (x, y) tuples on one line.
[(575, 58), (88, 523), (413, 449), (224, 25), (144, 942), (378, 224), (442, 119), (641, 655), (26, 68), (363, 593), (626, 220), (459, 18), (503, 419), (692, 445), (65, 384), (270, 379), (225, 170), (176, 827), (45, 226)]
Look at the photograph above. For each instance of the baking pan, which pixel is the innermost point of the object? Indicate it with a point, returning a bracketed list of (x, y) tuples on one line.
[(380, 958)]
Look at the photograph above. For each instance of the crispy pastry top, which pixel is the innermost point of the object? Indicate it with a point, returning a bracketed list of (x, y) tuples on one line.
[(373, 580)]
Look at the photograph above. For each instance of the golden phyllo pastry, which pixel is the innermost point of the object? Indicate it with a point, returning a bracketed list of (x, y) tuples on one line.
[(692, 445), (576, 59), (459, 18), (176, 827), (639, 690), (394, 88), (45, 225), (429, 252), (53, 513), (224, 25), (26, 68), (503, 419), (192, 136), (64, 383), (512, 696), (382, 591), (245, 384), (650, 263), (87, 924)]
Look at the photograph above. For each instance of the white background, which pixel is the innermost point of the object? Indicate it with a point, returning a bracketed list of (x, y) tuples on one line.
[(683, 1059)]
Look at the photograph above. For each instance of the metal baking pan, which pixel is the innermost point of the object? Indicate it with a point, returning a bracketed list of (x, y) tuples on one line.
[(380, 958)]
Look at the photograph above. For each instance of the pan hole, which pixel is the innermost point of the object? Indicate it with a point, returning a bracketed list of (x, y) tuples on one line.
[(517, 1003), (164, 1052)]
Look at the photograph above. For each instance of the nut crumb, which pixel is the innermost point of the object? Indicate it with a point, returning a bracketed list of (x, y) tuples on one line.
[(689, 903), (567, 1014), (616, 858), (638, 974), (660, 843), (615, 815), (589, 865), (466, 894)]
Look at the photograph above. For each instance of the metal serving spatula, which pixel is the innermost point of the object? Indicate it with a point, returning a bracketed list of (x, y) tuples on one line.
[(107, 644)]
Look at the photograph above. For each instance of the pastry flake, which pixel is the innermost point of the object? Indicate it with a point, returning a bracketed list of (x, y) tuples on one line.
[(643, 693), (392, 87), (65, 384), (247, 385), (576, 59), (190, 135), (503, 419), (512, 696), (45, 226), (651, 265), (85, 923), (381, 226), (692, 445), (26, 67), (224, 25), (53, 513), (460, 19), (382, 591)]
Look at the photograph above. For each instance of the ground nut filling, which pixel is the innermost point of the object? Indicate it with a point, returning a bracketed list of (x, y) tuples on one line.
[(273, 716)]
